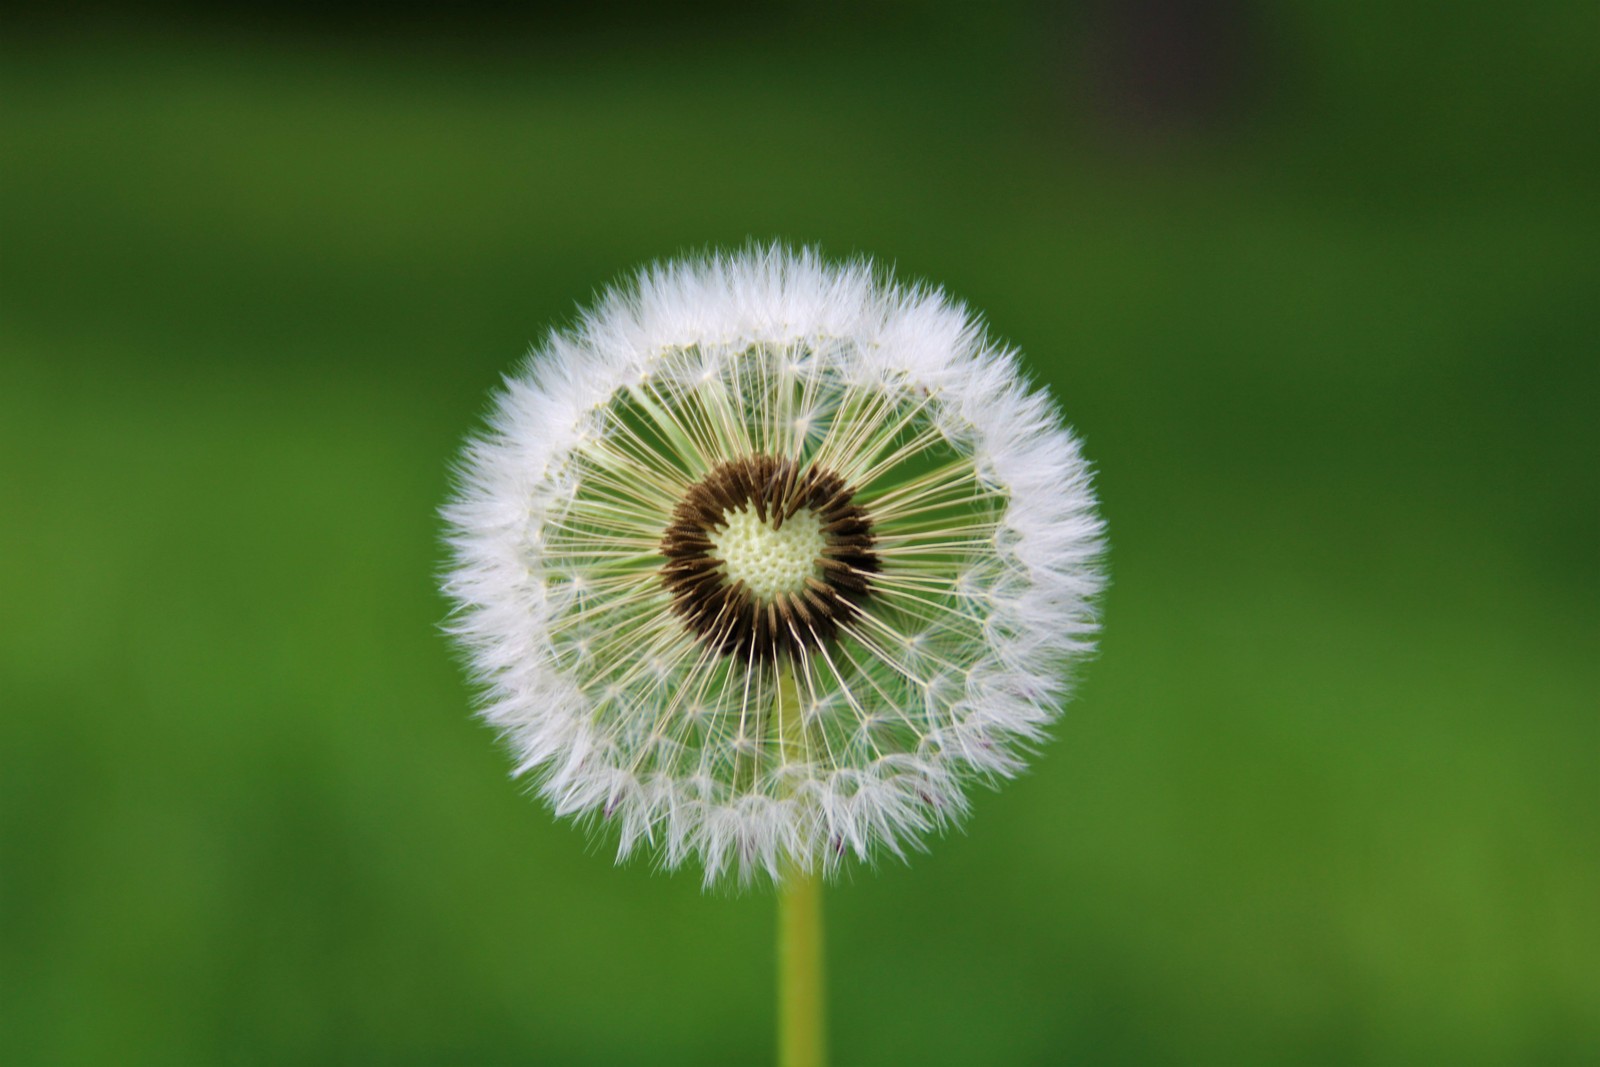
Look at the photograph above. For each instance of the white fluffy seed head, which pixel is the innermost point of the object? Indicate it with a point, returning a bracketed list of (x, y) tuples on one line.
[(666, 657), (770, 562)]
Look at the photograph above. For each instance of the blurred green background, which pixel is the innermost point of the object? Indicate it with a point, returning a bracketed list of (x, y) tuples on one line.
[(1315, 281)]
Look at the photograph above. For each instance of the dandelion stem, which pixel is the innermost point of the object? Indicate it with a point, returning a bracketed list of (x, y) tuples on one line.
[(802, 1031), (801, 1024)]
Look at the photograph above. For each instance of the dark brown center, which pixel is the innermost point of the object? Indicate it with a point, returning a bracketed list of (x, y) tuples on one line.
[(721, 609)]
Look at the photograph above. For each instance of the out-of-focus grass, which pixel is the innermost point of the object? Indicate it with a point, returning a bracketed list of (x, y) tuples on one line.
[(1329, 794)]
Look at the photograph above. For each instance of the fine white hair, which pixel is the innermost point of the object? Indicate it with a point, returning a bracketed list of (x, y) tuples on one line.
[(950, 673)]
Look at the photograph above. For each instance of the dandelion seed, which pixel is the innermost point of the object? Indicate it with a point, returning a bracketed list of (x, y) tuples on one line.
[(767, 560)]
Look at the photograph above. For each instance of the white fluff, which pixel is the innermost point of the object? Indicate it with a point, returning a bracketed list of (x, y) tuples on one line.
[(622, 716)]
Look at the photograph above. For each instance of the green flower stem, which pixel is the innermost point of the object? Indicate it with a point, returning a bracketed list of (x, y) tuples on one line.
[(802, 1036), (802, 1030)]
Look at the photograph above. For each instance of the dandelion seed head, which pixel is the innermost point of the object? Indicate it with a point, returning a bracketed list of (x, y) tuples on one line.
[(768, 559)]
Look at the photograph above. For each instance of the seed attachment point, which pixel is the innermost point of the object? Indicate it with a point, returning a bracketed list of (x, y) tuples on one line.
[(765, 558)]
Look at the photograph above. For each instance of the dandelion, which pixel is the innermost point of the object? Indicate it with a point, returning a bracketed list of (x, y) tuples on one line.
[(767, 560)]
